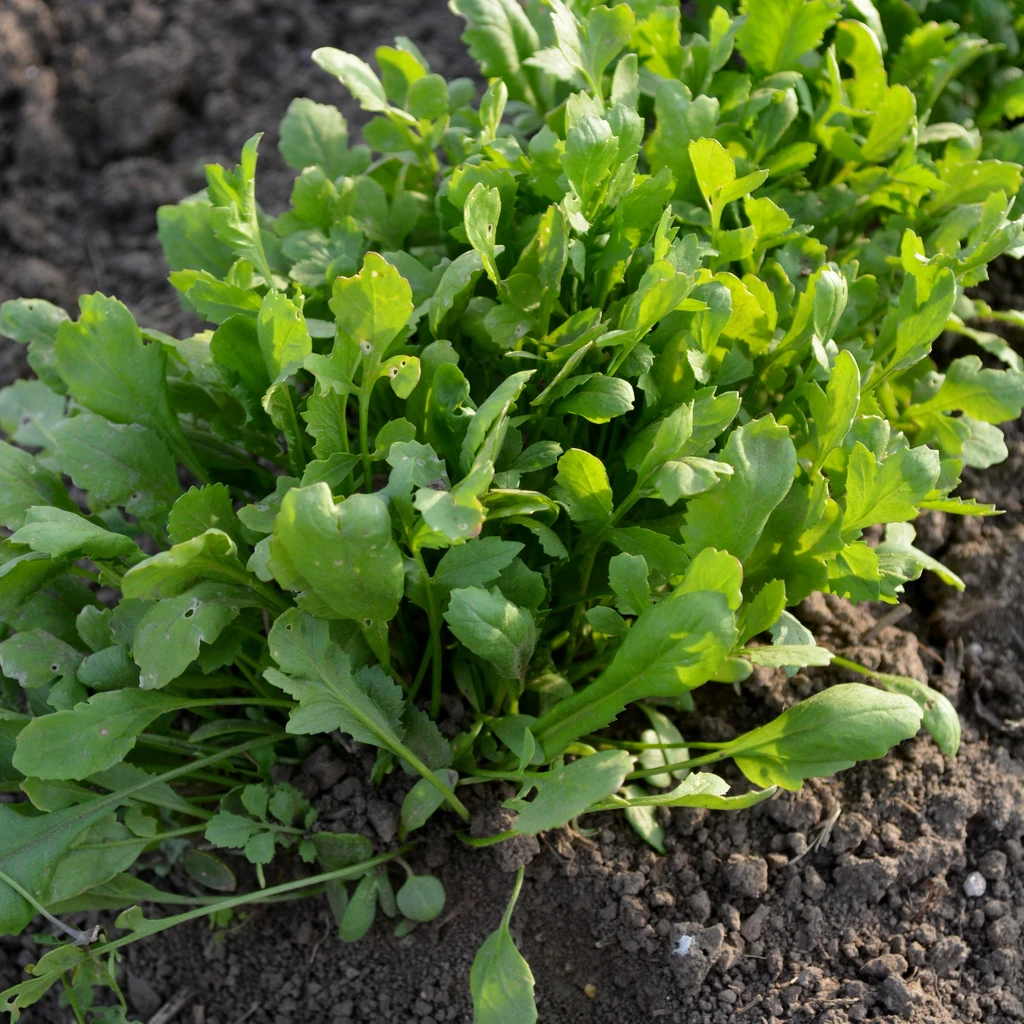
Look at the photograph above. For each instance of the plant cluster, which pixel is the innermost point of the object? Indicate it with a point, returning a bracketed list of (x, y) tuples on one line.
[(528, 411)]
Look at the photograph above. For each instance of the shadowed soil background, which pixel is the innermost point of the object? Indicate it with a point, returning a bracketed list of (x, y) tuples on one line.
[(109, 108)]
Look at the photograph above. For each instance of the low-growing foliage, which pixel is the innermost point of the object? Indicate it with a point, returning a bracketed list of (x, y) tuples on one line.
[(534, 408)]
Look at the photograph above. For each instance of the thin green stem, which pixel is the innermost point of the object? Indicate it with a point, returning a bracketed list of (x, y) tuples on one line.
[(694, 762), (72, 1002), (256, 702), (158, 838), (80, 938), (364, 437), (341, 874), (632, 745), (428, 656), (480, 843), (436, 650), (577, 613)]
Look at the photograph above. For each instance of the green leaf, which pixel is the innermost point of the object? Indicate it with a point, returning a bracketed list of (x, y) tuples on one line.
[(91, 737), (209, 870), (500, 980), (117, 464), (235, 216), (110, 371), (336, 850), (30, 847), (209, 556), (358, 77), (316, 135), (34, 322), (567, 792), (61, 534), (360, 912), (899, 539), (703, 789), (825, 734), (317, 673), (663, 730), (590, 152), (421, 898), (607, 620), (458, 277), (500, 37), (24, 483), (480, 216), (598, 400), (992, 396), (672, 647), (283, 337), (34, 658), (494, 629), (891, 125), (29, 411), (733, 515), (200, 509), (627, 575), (919, 327), (168, 636), (475, 563), (421, 802), (341, 557), (583, 487), (778, 33), (487, 428), (834, 411), (188, 238), (371, 309), (940, 717), (788, 655), (607, 31), (886, 493), (643, 820)]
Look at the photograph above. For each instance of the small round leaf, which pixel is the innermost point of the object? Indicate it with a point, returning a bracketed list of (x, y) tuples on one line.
[(421, 898)]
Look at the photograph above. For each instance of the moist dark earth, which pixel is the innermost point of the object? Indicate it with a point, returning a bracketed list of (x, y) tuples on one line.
[(109, 108)]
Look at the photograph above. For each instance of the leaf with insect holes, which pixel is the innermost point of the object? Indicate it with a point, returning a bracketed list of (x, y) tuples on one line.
[(169, 635), (35, 658), (340, 557)]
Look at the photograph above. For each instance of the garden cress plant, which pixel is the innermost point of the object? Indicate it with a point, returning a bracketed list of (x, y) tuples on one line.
[(550, 401)]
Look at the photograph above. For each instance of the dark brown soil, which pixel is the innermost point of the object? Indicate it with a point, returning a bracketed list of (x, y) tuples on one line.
[(109, 108)]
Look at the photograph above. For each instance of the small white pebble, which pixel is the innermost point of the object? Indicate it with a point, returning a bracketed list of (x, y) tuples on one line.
[(975, 884), (684, 943)]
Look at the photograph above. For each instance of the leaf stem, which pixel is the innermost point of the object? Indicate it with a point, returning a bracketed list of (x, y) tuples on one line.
[(80, 938), (436, 650), (694, 762), (156, 838), (355, 871), (364, 435)]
